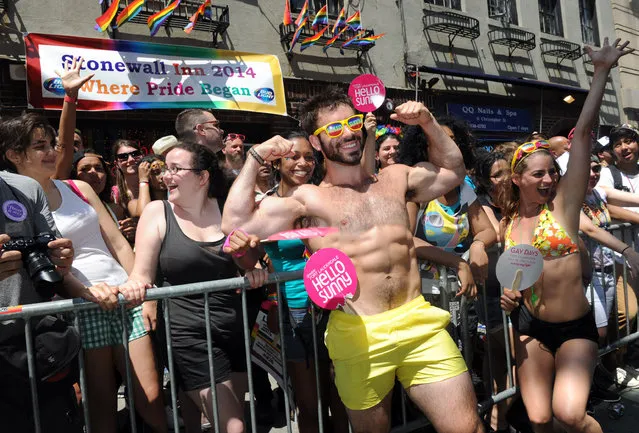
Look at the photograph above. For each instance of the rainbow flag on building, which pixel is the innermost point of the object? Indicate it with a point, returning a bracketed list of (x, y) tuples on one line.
[(341, 21), (198, 13), (332, 40), (355, 21), (320, 18), (368, 39), (129, 12), (302, 14), (310, 41), (297, 33), (158, 19), (103, 21), (352, 40), (287, 20)]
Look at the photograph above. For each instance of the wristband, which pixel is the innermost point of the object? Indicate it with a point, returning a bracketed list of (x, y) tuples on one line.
[(144, 182), (227, 243), (70, 99), (256, 155), (624, 250)]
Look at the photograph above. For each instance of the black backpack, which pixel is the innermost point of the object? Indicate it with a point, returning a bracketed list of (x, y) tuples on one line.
[(616, 179)]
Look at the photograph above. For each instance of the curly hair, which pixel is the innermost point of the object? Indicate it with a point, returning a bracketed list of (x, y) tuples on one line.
[(483, 165), (329, 99), (413, 147), (462, 137)]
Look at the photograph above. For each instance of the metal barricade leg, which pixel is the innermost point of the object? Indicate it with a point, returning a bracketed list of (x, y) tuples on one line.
[(249, 367), (83, 380), (287, 403), (320, 406), (166, 311), (127, 364), (33, 382), (209, 349)]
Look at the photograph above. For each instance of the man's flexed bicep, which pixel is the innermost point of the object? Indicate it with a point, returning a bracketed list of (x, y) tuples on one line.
[(274, 214), (427, 182)]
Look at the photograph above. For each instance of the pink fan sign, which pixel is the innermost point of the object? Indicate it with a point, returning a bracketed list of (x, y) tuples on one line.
[(313, 232), (330, 278), (367, 93)]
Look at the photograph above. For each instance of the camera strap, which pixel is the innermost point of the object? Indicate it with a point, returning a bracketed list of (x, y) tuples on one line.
[(14, 212)]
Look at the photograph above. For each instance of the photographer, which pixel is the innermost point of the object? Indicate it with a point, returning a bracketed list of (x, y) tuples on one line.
[(25, 214)]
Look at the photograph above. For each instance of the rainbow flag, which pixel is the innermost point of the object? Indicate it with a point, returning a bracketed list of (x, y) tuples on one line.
[(302, 14), (320, 18), (200, 11), (129, 12), (355, 21), (156, 20), (352, 40), (105, 19), (332, 40), (296, 36), (341, 21), (368, 39), (287, 20), (310, 41)]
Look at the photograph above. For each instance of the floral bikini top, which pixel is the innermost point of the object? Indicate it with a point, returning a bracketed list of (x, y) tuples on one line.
[(549, 237)]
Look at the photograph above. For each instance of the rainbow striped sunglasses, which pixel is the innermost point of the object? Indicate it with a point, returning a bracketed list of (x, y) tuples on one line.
[(526, 149), (335, 129)]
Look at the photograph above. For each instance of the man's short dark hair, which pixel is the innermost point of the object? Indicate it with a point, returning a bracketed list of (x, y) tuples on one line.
[(187, 120), (330, 99), (620, 133)]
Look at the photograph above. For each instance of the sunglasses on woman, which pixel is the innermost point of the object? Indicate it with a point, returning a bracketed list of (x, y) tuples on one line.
[(124, 156), (526, 149), (335, 129)]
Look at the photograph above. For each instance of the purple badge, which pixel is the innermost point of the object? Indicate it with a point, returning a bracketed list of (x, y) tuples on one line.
[(14, 210)]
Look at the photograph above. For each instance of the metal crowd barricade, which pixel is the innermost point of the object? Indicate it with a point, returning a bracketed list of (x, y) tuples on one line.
[(445, 285)]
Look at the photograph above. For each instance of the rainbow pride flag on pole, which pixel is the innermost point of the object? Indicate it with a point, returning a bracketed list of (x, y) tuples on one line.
[(341, 21), (368, 39), (310, 41), (200, 11), (158, 19), (287, 20), (332, 40), (355, 21), (302, 14), (320, 18), (352, 40), (129, 12), (297, 33), (103, 21)]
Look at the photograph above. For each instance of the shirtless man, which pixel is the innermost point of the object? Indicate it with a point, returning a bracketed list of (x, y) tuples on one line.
[(390, 330)]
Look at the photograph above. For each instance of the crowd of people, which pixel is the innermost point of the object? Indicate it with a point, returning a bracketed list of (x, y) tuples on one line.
[(408, 199)]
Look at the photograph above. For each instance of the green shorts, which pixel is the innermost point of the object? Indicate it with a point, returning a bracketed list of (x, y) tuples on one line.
[(101, 328)]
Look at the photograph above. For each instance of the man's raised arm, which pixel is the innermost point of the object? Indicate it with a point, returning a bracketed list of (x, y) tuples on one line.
[(273, 214), (445, 167)]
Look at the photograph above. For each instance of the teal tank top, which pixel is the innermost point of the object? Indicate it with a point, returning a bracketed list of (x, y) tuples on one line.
[(288, 256)]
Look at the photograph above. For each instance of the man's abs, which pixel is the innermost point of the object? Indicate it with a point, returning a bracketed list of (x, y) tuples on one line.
[(384, 258)]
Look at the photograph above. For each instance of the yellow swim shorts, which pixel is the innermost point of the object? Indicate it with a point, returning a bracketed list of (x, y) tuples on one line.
[(410, 342)]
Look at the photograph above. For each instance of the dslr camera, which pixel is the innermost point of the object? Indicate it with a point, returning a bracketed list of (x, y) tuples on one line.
[(35, 256)]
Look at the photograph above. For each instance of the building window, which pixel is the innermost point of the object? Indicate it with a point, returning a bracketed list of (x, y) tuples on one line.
[(589, 28), (334, 6), (550, 17), (451, 4), (503, 10)]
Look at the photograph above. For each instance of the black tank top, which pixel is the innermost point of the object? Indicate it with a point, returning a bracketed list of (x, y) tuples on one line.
[(183, 260)]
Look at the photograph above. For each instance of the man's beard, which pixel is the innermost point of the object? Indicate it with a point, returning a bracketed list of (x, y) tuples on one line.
[(332, 154)]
